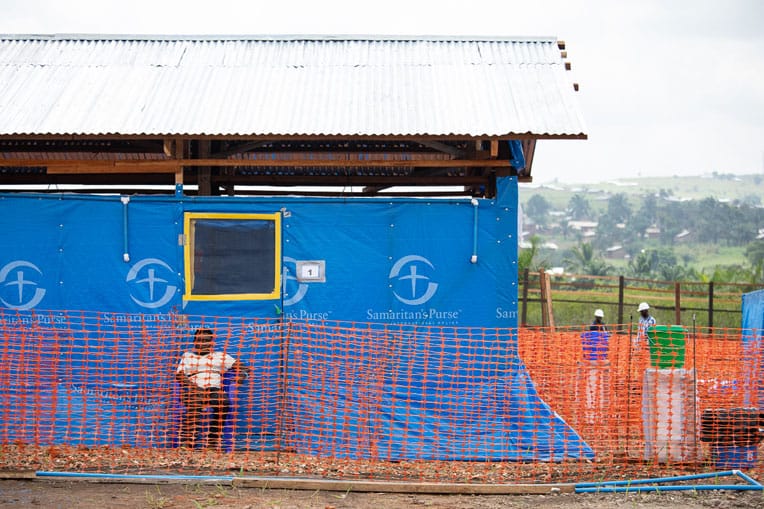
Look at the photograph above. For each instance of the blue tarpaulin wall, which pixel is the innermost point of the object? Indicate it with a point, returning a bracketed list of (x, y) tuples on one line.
[(415, 262), (476, 400), (753, 328)]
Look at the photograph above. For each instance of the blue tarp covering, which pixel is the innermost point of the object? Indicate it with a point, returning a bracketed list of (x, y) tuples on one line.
[(753, 328), (434, 395), (517, 158), (393, 261)]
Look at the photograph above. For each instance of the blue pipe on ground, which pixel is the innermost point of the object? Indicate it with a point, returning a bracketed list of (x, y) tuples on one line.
[(660, 489), (628, 486), (638, 485), (94, 475)]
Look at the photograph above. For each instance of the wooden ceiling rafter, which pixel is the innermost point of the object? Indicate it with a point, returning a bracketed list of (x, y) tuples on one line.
[(86, 166)]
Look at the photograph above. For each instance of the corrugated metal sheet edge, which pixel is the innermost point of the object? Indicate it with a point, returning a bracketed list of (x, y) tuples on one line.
[(275, 37)]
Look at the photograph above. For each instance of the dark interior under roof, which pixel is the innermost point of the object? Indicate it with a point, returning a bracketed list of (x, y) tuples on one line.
[(227, 166)]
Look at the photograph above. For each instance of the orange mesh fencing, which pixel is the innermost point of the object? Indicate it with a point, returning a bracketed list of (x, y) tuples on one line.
[(108, 392), (625, 413)]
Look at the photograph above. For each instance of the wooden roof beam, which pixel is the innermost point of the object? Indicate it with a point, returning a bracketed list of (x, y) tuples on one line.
[(442, 147), (171, 165), (240, 149), (380, 181)]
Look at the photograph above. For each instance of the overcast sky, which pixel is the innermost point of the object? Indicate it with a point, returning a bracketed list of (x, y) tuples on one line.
[(667, 87)]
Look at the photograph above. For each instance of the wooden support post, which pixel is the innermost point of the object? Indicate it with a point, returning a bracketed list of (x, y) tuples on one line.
[(677, 304), (711, 304), (542, 287), (547, 316), (204, 175), (620, 299), (548, 283), (524, 314), (177, 149), (179, 176)]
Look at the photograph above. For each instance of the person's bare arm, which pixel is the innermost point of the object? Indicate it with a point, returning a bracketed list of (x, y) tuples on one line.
[(181, 377)]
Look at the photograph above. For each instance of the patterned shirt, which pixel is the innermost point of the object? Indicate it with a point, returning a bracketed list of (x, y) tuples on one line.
[(206, 371), (644, 324)]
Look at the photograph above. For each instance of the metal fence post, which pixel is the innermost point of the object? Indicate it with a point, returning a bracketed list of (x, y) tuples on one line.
[(524, 314), (677, 304), (620, 299), (542, 287)]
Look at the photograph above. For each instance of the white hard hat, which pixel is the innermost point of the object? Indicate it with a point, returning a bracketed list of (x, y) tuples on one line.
[(643, 306), (599, 313)]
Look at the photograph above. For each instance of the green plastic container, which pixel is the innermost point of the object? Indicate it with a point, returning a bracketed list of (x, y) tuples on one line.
[(667, 346)]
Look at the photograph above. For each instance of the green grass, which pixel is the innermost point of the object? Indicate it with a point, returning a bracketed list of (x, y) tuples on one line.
[(575, 299), (708, 256), (702, 257)]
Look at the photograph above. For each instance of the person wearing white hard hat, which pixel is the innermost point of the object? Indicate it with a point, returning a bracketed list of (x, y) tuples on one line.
[(645, 321), (599, 323)]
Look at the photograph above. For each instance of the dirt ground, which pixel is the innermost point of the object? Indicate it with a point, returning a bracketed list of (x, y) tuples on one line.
[(90, 495)]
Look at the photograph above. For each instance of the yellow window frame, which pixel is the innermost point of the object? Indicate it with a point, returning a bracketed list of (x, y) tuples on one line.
[(188, 249)]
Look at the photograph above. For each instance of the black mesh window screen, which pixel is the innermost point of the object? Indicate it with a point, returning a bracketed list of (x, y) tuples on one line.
[(236, 257)]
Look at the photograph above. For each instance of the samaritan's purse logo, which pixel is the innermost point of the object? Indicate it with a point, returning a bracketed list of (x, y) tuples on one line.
[(412, 286), (152, 281), (289, 282), (21, 274)]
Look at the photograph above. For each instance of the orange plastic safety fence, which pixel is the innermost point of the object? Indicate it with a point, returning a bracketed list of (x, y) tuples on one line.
[(689, 398), (87, 391)]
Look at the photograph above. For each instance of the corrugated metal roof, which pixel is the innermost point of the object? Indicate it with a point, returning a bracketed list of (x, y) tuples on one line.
[(284, 85)]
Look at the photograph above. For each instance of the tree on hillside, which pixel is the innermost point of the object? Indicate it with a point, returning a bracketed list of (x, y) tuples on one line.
[(528, 258), (608, 232), (734, 274), (661, 264), (646, 216), (757, 273), (676, 272), (579, 207), (641, 265), (752, 200), (537, 209), (619, 208), (582, 259), (718, 222), (741, 230), (565, 228), (755, 252), (672, 218), (711, 220)]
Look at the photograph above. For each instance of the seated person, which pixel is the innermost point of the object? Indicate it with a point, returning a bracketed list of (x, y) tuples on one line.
[(200, 375)]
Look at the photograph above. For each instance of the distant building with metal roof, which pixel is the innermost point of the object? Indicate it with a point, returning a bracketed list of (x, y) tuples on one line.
[(221, 111)]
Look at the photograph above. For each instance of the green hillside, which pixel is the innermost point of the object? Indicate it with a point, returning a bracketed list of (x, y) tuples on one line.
[(748, 188), (690, 226)]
